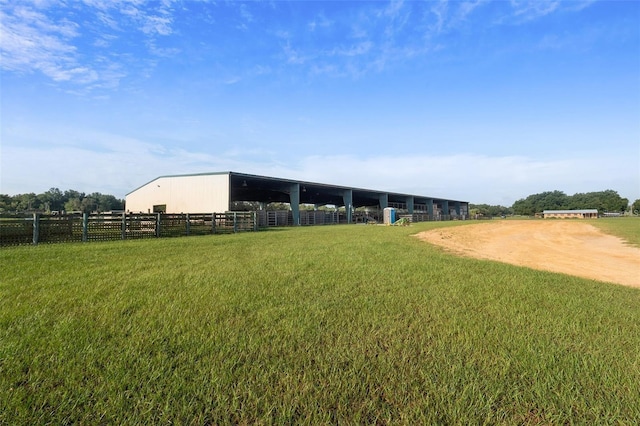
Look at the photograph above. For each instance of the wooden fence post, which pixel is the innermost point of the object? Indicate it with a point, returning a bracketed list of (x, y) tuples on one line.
[(188, 224), (158, 221), (235, 222), (123, 227), (36, 228), (213, 223), (255, 221), (85, 227)]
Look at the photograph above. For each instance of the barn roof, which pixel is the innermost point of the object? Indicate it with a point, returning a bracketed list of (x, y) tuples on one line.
[(583, 211), (249, 187)]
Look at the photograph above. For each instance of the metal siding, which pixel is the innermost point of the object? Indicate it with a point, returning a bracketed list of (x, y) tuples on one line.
[(201, 194), (188, 194), (211, 193), (144, 198)]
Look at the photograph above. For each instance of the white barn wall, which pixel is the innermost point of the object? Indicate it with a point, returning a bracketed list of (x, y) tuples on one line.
[(182, 194)]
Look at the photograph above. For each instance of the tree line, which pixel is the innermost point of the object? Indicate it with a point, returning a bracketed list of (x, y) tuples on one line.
[(74, 201), (604, 201), (55, 200)]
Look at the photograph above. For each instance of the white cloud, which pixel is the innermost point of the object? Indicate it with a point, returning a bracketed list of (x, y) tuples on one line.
[(397, 17), (157, 25), (320, 22), (293, 56), (470, 177), (467, 7), (440, 10), (30, 41), (245, 14), (117, 165), (394, 8), (358, 49), (36, 39), (233, 80), (532, 9)]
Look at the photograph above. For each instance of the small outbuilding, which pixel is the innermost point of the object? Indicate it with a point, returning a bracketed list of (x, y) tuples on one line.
[(571, 214)]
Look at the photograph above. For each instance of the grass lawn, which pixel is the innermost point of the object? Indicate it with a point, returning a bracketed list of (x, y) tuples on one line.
[(335, 324), (627, 228)]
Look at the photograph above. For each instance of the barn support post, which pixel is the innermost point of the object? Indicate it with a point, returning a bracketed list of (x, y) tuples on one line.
[(384, 201), (294, 202), (457, 207), (410, 204), (430, 208), (85, 227), (347, 198), (36, 228), (445, 210)]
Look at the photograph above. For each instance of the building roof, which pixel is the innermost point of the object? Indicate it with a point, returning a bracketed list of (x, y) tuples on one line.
[(583, 211), (248, 187)]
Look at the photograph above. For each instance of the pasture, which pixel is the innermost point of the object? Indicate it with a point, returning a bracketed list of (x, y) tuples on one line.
[(335, 324)]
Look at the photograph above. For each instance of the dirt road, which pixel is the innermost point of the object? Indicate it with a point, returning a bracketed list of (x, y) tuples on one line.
[(567, 246)]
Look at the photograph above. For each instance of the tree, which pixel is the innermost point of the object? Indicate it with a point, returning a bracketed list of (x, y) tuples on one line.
[(487, 210), (73, 205), (88, 204), (612, 201), (635, 207), (552, 200), (105, 202), (5, 203), (70, 193), (604, 201), (53, 199), (608, 201), (536, 203), (278, 206), (246, 206), (523, 207), (26, 202)]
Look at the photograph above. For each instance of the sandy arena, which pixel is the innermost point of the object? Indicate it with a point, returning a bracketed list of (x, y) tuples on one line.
[(565, 246)]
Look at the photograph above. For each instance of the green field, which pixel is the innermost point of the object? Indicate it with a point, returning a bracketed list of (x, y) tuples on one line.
[(627, 228), (337, 324)]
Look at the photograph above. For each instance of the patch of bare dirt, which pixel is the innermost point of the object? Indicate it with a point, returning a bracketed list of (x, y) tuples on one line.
[(565, 246)]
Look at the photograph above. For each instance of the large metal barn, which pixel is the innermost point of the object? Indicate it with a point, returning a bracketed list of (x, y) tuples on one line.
[(224, 191)]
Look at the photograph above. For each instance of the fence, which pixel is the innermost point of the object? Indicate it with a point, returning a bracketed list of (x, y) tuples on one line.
[(40, 228), (269, 218)]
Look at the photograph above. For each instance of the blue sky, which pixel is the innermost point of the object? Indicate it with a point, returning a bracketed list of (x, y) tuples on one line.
[(481, 101)]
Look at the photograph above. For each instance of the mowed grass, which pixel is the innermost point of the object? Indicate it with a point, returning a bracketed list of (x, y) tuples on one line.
[(336, 324), (627, 228)]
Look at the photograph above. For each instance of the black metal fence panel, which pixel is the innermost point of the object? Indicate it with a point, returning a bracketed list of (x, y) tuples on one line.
[(104, 228), (39, 228), (59, 229), (16, 230)]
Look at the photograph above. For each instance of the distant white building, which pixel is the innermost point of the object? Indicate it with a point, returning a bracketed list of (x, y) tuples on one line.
[(571, 214)]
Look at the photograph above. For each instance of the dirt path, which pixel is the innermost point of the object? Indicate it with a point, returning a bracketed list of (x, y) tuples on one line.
[(566, 246)]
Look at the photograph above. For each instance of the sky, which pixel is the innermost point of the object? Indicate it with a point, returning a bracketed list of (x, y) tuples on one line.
[(480, 101)]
